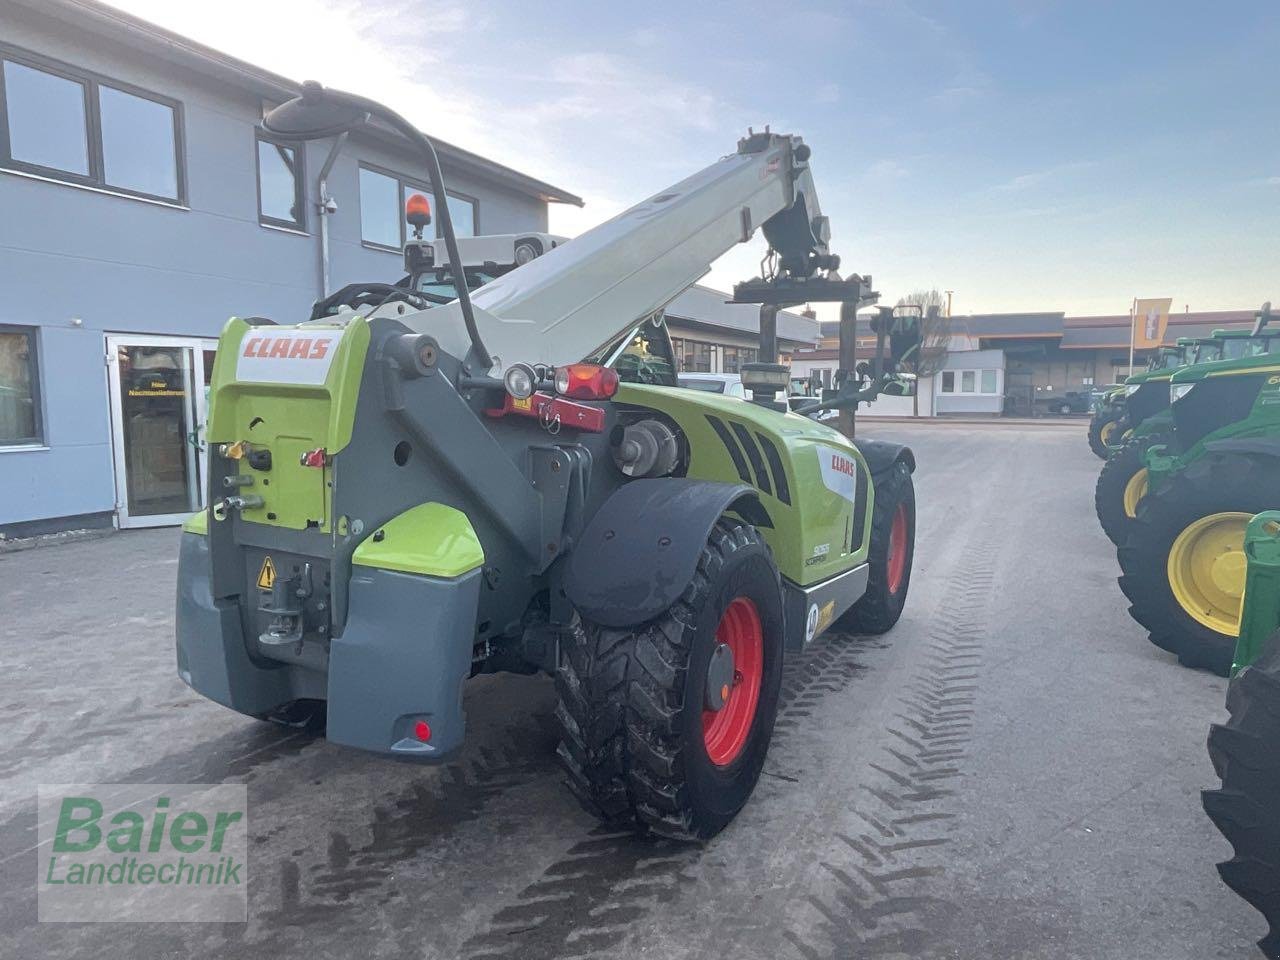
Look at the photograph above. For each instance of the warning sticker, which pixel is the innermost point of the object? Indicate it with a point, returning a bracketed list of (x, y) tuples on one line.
[(286, 356), (839, 472), (267, 575)]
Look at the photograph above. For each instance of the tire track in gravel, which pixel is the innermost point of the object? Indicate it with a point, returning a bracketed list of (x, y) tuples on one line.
[(879, 891), (603, 888)]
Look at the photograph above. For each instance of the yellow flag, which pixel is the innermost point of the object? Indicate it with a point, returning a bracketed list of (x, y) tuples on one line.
[(1150, 318)]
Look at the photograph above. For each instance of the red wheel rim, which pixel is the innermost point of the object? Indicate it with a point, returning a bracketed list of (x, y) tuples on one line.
[(724, 731), (897, 559)]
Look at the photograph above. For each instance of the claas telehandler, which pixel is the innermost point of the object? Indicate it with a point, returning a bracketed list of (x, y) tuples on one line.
[(407, 493)]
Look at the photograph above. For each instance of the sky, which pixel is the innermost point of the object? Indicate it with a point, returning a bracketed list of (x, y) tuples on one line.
[(1025, 154)]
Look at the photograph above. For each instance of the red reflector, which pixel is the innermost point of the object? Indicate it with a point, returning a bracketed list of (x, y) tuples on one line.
[(314, 458), (586, 381), (422, 730)]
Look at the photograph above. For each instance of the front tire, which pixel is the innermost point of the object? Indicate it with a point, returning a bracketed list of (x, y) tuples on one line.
[(893, 547), (1183, 563), (646, 741), (1246, 755), (1105, 429), (1120, 488)]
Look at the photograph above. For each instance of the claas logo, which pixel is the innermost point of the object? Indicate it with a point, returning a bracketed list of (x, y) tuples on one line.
[(287, 348), (843, 465)]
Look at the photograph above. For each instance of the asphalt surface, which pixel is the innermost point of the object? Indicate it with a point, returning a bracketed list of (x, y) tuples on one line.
[(1013, 771)]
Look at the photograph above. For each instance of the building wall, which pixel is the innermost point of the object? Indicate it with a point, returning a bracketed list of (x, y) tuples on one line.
[(79, 263), (949, 383)]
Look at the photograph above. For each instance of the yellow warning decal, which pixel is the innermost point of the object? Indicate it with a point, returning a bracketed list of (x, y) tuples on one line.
[(267, 575), (521, 403)]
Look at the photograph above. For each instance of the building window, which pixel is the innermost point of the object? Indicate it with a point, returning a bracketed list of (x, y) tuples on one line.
[(139, 143), (47, 119), (19, 388), (280, 185), (978, 382), (735, 357), (382, 199), (72, 125), (462, 211)]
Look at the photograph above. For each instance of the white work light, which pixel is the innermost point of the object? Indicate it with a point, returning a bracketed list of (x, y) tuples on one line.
[(519, 380)]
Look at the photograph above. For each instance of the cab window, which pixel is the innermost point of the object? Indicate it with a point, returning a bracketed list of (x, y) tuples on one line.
[(641, 354)]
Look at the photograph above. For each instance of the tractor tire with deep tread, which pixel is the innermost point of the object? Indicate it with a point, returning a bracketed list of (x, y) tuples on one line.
[(1215, 484), (1113, 481), (1098, 427), (1246, 755), (632, 700), (881, 606)]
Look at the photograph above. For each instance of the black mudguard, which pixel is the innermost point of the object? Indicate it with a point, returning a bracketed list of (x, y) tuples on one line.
[(1267, 446), (883, 454), (639, 552)]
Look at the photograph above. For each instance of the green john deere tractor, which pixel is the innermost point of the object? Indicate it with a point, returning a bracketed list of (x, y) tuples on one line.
[(1246, 749), (1111, 423), (1143, 420), (1182, 562), (1122, 482), (394, 509), (1105, 423)]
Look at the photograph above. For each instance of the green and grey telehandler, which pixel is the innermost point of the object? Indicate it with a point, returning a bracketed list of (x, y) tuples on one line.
[(405, 493), (1246, 749), (1183, 562)]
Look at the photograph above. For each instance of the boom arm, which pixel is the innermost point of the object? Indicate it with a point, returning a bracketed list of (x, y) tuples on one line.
[(558, 308)]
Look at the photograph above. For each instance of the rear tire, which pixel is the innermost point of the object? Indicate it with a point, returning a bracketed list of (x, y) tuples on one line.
[(1186, 614), (1105, 425), (1246, 754), (890, 556), (636, 741), (1113, 492)]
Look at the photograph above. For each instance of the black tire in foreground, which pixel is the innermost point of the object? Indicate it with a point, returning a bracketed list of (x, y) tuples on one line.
[(1105, 428), (1121, 485), (1182, 565), (665, 725), (893, 547), (1246, 755)]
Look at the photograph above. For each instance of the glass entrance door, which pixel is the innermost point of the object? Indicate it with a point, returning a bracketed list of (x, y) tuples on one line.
[(159, 406)]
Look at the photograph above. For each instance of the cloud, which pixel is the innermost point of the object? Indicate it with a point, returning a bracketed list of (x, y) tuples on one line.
[(885, 169), (1027, 181), (827, 93)]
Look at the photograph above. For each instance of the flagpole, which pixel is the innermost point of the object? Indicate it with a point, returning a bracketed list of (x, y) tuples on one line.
[(1132, 333)]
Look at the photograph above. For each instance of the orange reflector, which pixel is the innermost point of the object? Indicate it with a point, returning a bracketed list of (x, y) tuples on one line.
[(422, 730)]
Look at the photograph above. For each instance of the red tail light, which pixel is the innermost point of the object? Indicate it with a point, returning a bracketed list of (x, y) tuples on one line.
[(586, 381), (314, 458)]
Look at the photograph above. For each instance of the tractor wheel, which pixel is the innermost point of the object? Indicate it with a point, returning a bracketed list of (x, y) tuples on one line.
[(1246, 754), (1105, 428), (1121, 486), (1183, 564), (893, 547), (665, 725)]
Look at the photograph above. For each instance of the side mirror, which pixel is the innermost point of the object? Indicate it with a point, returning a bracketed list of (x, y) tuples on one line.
[(904, 338), (316, 114), (1263, 318)]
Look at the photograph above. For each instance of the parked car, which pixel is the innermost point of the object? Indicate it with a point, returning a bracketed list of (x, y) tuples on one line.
[(1071, 401), (730, 384)]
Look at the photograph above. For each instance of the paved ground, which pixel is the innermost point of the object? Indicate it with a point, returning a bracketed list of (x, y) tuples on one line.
[(1012, 772)]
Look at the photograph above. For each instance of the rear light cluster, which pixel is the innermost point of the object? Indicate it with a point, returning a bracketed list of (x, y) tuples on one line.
[(586, 381)]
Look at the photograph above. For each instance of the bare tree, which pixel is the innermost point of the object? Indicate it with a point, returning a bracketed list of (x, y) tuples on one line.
[(935, 334)]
